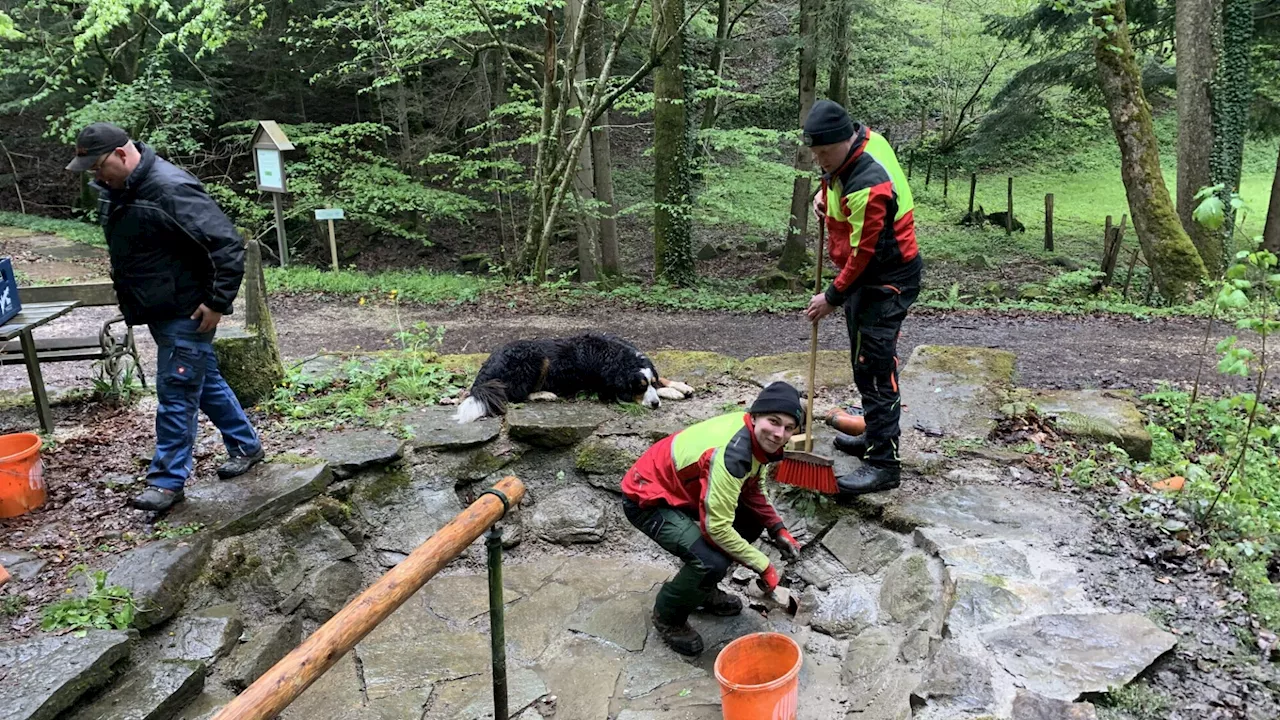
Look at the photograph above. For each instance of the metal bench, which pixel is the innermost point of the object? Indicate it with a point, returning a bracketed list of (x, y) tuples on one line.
[(112, 345)]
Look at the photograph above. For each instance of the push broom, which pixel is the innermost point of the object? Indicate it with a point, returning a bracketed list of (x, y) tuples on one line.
[(806, 469)]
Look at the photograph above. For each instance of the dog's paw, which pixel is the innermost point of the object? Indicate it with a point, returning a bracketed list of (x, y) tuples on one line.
[(680, 387), (449, 401), (543, 396), (670, 393)]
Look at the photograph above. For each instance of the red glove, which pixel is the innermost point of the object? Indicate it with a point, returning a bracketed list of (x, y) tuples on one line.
[(786, 542), (768, 580)]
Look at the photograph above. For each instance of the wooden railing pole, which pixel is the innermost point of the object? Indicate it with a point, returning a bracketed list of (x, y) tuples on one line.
[(286, 680)]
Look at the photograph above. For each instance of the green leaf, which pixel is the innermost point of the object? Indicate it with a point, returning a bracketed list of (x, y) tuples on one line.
[(1210, 213)]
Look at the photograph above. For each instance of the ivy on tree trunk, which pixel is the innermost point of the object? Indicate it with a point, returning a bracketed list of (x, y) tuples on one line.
[(673, 180)]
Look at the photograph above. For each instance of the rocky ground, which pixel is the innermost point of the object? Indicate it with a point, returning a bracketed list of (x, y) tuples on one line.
[(977, 590)]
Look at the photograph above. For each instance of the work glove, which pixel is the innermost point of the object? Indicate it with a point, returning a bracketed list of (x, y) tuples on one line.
[(768, 580), (785, 542)]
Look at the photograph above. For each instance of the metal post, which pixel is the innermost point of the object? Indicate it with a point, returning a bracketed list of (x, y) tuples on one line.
[(497, 634), (284, 246)]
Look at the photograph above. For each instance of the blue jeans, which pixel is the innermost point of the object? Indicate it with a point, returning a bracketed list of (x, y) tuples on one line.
[(187, 381)]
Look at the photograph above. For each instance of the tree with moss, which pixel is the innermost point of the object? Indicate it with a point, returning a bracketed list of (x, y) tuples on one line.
[(794, 253), (1175, 264), (673, 180)]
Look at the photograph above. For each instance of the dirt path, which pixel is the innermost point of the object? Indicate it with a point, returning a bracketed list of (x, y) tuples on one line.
[(1053, 352)]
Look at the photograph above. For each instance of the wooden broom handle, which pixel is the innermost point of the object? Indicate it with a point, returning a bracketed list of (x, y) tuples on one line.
[(813, 346)]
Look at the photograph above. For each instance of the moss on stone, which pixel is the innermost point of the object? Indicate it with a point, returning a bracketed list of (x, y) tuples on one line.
[(295, 459), (250, 365), (479, 464), (382, 485), (835, 369), (689, 365), (302, 521), (598, 456), (967, 363), (335, 512), (467, 363)]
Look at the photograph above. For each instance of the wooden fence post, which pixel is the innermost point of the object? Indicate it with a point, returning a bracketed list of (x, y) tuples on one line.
[(946, 181), (1008, 219), (928, 172), (973, 190), (911, 161), (1048, 221)]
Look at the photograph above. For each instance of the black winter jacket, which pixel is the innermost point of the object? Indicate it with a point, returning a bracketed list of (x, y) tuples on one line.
[(171, 246)]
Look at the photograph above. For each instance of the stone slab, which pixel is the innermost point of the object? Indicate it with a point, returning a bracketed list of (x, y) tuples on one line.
[(22, 566), (557, 425), (690, 366), (532, 623), (329, 589), (471, 698), (990, 511), (336, 695), (206, 636), (1030, 706), (846, 610), (834, 369), (44, 675), (955, 391), (411, 515), (910, 590), (351, 451), (158, 575), (571, 515), (862, 546), (582, 675), (610, 456), (462, 598), (252, 500), (656, 667), (622, 620), (1065, 656), (265, 647), (1101, 415), (414, 650), (436, 429), (149, 692)]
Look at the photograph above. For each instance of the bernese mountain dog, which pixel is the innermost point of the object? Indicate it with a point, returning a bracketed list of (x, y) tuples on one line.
[(591, 363)]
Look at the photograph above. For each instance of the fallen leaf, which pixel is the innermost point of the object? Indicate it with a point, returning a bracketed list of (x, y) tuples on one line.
[(1170, 484)]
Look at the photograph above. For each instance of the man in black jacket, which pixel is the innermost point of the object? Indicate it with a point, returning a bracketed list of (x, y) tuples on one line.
[(176, 263)]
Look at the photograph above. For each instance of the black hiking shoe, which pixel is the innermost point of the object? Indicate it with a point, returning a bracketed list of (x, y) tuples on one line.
[(240, 464), (855, 445), (869, 479), (157, 499), (721, 603), (681, 638)]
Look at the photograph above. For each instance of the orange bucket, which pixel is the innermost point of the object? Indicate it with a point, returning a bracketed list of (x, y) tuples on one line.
[(759, 676), (21, 474)]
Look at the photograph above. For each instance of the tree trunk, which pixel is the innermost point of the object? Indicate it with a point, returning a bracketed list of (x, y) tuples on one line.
[(1232, 94), (1196, 62), (838, 85), (402, 119), (794, 255), (1175, 264), (585, 182), (602, 156), (672, 186), (1271, 231), (533, 254), (711, 110)]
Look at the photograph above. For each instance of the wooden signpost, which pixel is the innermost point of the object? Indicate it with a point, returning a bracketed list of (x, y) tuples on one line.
[(268, 145), (331, 214)]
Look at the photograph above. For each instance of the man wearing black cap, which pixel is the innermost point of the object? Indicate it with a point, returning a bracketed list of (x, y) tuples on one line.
[(866, 207), (697, 494), (176, 263)]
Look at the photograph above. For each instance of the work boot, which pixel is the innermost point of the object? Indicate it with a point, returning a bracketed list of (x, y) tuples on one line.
[(855, 445), (240, 464), (681, 638), (869, 479), (157, 499), (721, 603)]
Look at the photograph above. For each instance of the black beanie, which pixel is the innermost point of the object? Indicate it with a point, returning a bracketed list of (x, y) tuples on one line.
[(779, 397), (827, 124)]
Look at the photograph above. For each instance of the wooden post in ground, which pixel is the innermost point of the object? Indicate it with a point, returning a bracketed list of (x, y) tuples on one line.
[(1113, 251), (1129, 275), (287, 679), (911, 160), (946, 180), (278, 202), (973, 190), (1048, 222), (1106, 241), (1008, 219), (928, 171), (333, 247)]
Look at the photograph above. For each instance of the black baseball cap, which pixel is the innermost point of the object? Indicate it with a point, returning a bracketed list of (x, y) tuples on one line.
[(95, 141)]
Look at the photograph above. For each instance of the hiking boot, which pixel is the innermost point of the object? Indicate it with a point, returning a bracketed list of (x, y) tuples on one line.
[(721, 603), (240, 464), (157, 499), (681, 638), (855, 445), (869, 479)]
